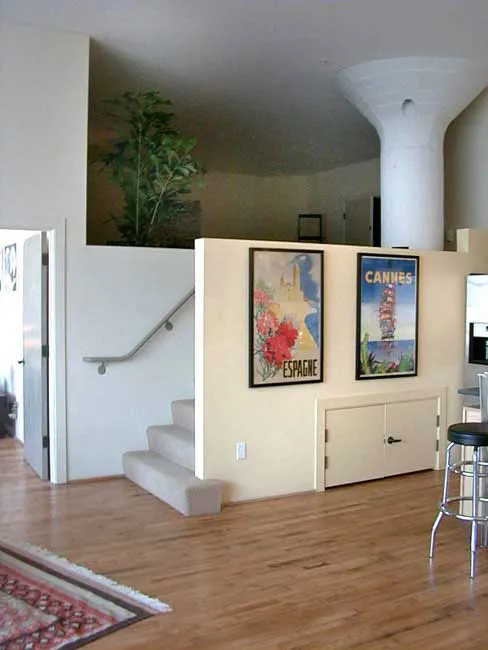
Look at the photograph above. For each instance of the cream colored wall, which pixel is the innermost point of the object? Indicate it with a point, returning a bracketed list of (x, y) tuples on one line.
[(473, 241), (242, 206), (466, 169), (102, 200), (329, 190), (232, 205), (278, 423), (239, 206)]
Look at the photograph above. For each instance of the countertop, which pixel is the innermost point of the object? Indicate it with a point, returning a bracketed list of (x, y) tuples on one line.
[(472, 391)]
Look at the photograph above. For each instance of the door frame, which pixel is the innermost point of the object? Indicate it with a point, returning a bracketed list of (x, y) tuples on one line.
[(56, 238)]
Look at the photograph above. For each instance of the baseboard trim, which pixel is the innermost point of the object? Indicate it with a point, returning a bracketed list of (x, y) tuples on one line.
[(275, 497), (95, 479)]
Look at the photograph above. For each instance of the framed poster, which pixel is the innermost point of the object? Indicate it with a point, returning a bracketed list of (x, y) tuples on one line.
[(387, 316), (9, 268), (285, 316)]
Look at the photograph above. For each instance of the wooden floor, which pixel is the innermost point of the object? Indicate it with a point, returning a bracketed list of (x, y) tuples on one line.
[(347, 568)]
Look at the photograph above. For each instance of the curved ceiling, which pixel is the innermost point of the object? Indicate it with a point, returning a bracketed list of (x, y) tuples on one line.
[(255, 80)]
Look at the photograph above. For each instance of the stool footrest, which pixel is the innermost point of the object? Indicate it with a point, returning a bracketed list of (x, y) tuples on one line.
[(459, 468), (444, 508)]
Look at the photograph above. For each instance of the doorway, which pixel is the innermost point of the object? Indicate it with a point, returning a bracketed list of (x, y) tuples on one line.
[(27, 347), (362, 221)]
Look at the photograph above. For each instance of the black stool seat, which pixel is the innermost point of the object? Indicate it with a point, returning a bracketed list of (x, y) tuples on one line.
[(474, 434)]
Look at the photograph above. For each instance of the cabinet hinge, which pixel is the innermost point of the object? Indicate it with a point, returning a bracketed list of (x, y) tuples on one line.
[(437, 445), (438, 420), (45, 351), (326, 462), (326, 435), (45, 442), (45, 259)]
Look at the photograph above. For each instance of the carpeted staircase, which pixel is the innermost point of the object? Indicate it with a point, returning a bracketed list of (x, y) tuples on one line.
[(167, 468)]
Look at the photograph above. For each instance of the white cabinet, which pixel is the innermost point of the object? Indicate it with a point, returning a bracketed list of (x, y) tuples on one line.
[(354, 452), (379, 439), (415, 425), (471, 414)]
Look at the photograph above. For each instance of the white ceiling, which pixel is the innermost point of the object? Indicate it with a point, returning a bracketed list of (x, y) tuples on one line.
[(255, 80)]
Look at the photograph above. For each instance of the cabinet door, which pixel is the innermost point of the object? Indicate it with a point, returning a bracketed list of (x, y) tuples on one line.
[(414, 425), (354, 447)]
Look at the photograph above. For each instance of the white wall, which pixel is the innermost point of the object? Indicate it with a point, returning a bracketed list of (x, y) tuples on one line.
[(278, 423), (329, 190), (43, 117), (107, 296), (126, 291), (466, 169)]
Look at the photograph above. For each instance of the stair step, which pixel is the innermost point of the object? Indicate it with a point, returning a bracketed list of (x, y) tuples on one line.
[(183, 412), (174, 484), (174, 443)]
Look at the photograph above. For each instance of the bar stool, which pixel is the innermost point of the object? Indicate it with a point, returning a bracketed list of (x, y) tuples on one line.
[(475, 435)]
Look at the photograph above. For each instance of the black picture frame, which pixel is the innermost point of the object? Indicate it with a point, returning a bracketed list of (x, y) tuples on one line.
[(387, 316), (286, 316), (310, 228)]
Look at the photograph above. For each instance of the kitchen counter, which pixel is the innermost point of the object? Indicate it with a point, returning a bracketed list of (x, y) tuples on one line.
[(474, 391), (471, 395)]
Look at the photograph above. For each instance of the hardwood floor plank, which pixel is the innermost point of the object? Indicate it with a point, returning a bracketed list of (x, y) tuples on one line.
[(344, 569)]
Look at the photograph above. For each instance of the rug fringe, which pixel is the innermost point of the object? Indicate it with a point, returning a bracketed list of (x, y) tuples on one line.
[(63, 563)]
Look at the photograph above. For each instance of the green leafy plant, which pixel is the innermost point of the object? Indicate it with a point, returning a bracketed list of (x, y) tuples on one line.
[(151, 162)]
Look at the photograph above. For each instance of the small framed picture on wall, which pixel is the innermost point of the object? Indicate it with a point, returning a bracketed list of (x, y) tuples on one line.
[(285, 316), (9, 268), (387, 316)]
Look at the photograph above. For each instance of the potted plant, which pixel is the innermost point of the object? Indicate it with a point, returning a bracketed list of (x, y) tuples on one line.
[(152, 164)]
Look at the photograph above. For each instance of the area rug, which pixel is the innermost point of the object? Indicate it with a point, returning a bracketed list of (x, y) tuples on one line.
[(47, 602)]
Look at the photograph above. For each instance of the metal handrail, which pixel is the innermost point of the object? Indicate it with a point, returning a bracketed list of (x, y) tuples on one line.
[(164, 322)]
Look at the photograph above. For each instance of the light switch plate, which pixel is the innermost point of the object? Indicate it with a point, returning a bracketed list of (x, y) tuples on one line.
[(241, 451)]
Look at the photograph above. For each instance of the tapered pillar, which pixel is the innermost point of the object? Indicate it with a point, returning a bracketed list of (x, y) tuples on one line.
[(410, 101)]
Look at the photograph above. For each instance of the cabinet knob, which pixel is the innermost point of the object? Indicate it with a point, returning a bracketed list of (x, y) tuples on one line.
[(391, 440)]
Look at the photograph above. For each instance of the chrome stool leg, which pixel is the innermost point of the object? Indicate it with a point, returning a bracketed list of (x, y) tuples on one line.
[(445, 494), (474, 513), (484, 536), (483, 526)]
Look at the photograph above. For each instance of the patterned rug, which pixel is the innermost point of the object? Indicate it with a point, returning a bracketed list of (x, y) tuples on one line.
[(47, 602)]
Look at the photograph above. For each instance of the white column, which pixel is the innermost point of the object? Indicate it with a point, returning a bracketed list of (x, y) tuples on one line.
[(411, 101)]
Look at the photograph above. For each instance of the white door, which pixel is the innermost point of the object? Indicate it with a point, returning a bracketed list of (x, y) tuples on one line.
[(35, 357), (357, 222), (354, 447), (410, 436)]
